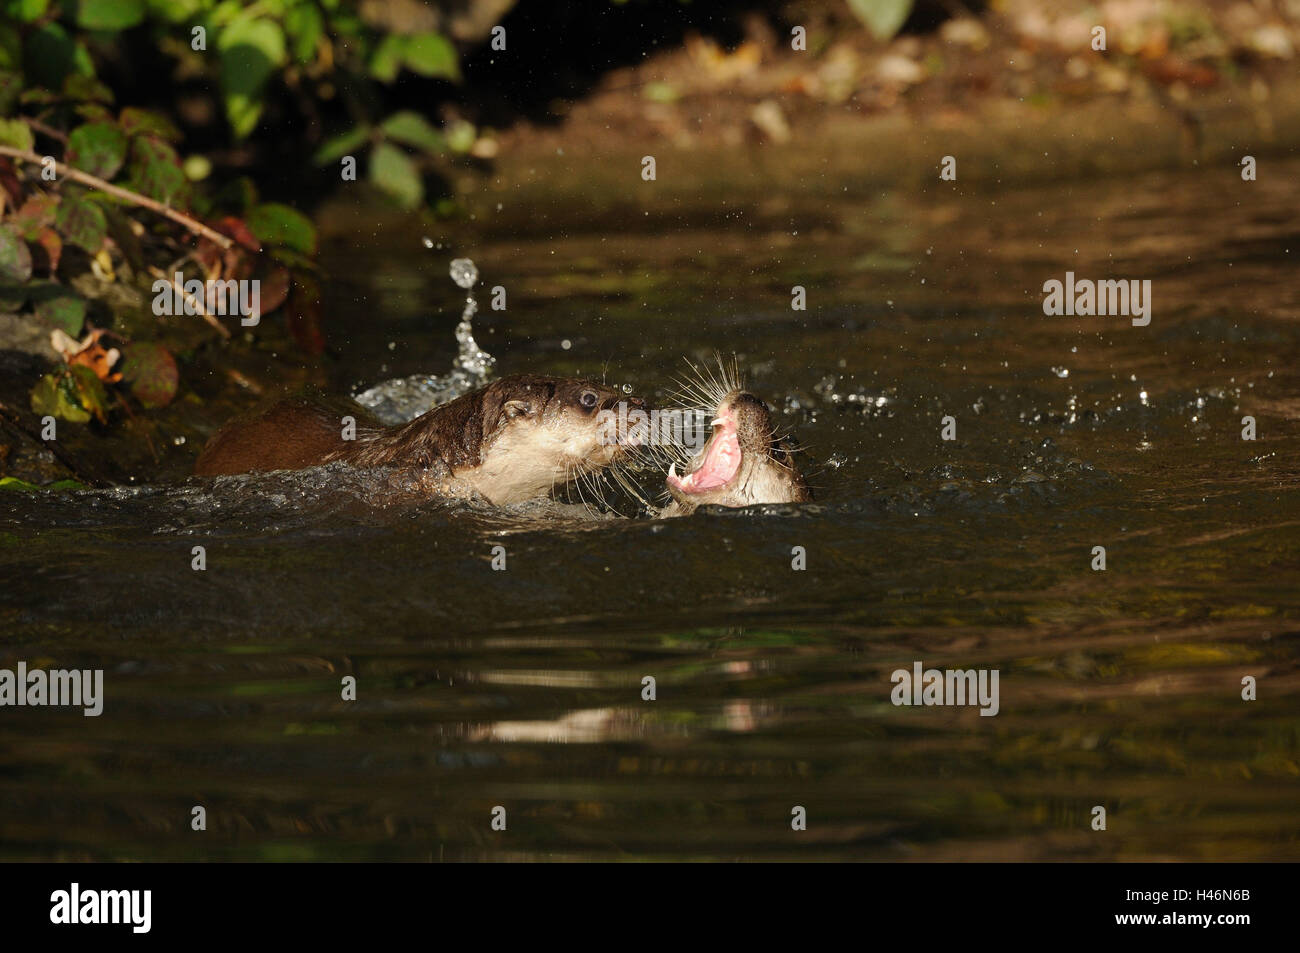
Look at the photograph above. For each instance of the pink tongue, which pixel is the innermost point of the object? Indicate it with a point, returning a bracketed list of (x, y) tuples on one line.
[(721, 461)]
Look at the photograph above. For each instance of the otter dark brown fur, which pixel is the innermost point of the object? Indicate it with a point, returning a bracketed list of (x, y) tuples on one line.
[(512, 440)]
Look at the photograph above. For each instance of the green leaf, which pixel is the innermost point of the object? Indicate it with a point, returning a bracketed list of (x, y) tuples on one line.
[(251, 50), (16, 133), (11, 85), (50, 54), (82, 223), (392, 170), (86, 88), (94, 112), (150, 371), (15, 256), (155, 169), (38, 96), (305, 26), (293, 259), (13, 483), (87, 390), (386, 60), (63, 309), (414, 130), (26, 11), (11, 48), (461, 135), (55, 395), (431, 54), (82, 64), (109, 14), (175, 11), (98, 148), (146, 122), (341, 145), (883, 18), (276, 224)]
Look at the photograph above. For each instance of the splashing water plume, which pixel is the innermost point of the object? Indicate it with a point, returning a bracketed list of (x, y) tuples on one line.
[(405, 398)]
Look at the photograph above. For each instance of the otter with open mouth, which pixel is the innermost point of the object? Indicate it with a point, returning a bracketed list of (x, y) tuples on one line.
[(513, 440), (743, 463)]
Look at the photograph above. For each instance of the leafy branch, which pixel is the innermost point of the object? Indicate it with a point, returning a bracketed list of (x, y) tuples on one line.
[(135, 198)]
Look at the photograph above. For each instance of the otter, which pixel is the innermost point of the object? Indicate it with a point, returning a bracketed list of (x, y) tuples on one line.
[(743, 463), (509, 441)]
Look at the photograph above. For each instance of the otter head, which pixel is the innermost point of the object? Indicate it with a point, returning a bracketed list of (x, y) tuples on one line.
[(544, 432), (742, 464)]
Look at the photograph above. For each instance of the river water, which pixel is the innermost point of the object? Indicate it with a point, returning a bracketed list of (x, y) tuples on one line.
[(522, 689)]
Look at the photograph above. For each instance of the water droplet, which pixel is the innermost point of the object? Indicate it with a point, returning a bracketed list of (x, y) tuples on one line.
[(463, 272), (428, 242), (566, 344), (397, 401)]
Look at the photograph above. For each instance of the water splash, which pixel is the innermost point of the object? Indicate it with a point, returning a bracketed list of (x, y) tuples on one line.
[(472, 359), (464, 273), (405, 398)]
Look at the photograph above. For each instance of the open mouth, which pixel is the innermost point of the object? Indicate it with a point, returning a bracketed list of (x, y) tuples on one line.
[(720, 462)]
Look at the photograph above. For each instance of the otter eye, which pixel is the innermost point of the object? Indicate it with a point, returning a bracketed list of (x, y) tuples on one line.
[(588, 399)]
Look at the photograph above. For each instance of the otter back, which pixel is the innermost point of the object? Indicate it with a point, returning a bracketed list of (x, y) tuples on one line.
[(293, 434)]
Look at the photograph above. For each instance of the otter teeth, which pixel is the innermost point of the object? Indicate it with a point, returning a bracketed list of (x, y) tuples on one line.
[(675, 481)]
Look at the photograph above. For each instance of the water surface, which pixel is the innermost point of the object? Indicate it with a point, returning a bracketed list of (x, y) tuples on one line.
[(522, 688)]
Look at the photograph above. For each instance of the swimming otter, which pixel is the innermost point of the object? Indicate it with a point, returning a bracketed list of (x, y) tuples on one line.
[(512, 440), (743, 464)]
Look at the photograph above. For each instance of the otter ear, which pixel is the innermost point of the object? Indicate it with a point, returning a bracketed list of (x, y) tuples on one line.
[(513, 409)]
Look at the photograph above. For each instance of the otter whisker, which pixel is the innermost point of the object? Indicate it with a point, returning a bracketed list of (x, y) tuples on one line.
[(709, 384), (634, 489), (730, 375), (571, 480), (597, 487), (706, 387), (692, 393), (716, 386)]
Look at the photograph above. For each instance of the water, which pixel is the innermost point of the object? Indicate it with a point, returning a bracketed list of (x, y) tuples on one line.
[(405, 398), (477, 688)]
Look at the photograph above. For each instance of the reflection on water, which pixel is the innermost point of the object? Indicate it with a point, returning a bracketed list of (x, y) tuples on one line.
[(524, 688)]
